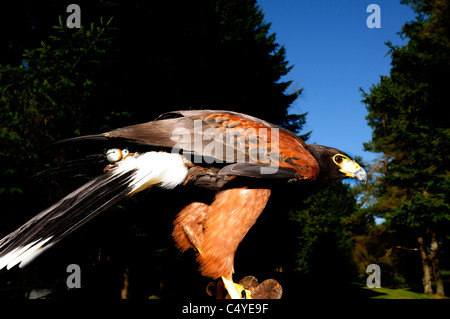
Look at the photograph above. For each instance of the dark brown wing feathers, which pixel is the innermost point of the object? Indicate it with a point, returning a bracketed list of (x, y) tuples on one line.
[(228, 137)]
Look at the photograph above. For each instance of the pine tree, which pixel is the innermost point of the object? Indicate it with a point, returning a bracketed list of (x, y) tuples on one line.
[(205, 54)]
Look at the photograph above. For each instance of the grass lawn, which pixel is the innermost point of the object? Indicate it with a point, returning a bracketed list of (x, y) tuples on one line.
[(387, 293)]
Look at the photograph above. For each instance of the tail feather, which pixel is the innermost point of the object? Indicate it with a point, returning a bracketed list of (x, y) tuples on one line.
[(93, 137), (56, 222), (76, 167)]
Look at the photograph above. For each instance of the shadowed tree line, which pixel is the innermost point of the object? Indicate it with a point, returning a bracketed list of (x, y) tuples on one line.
[(128, 63), (411, 178)]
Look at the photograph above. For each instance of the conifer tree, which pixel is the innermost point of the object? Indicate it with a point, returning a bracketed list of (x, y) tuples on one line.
[(410, 129)]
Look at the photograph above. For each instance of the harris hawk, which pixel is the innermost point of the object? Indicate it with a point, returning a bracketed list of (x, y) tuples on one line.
[(236, 155)]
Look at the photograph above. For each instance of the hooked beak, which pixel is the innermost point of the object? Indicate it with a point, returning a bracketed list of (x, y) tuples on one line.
[(353, 170), (361, 175)]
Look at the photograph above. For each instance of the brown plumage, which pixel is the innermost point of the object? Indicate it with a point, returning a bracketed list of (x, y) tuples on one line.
[(196, 131), (216, 230), (234, 154)]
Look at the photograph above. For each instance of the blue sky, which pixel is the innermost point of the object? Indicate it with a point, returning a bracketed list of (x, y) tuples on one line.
[(334, 53)]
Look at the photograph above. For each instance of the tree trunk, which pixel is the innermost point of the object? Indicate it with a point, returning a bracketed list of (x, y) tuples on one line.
[(125, 293), (439, 284), (427, 273)]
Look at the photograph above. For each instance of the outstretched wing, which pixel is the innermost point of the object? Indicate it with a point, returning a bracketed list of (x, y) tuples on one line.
[(130, 176), (241, 144)]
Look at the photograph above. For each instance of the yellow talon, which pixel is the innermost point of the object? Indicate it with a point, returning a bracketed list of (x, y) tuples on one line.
[(235, 290)]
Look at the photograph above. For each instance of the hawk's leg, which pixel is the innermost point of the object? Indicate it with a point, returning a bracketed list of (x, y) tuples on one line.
[(216, 230), (189, 227)]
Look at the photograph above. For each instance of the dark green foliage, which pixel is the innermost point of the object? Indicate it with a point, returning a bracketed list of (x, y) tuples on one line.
[(50, 96), (407, 114), (323, 221), (130, 62)]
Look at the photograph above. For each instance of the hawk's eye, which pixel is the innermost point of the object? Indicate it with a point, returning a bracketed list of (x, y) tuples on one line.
[(338, 159)]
